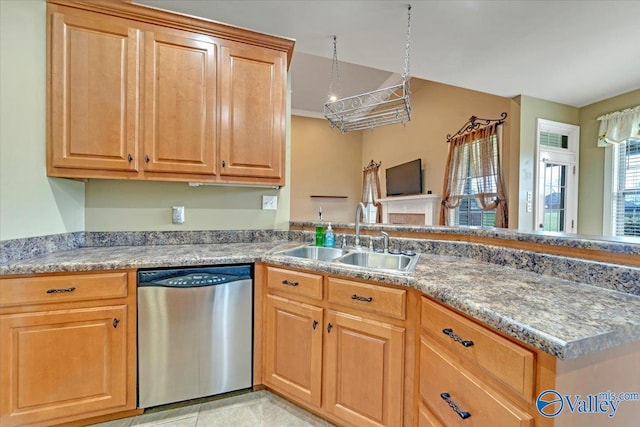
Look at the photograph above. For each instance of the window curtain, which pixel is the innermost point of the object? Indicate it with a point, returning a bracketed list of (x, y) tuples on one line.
[(371, 188), (619, 126), (476, 156)]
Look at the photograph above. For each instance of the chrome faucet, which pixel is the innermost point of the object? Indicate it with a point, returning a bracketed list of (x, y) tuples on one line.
[(385, 236), (359, 209)]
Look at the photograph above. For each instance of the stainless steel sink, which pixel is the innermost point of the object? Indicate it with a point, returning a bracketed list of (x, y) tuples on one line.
[(400, 263), (315, 252)]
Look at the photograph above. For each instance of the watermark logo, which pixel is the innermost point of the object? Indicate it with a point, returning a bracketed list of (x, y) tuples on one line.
[(550, 403)]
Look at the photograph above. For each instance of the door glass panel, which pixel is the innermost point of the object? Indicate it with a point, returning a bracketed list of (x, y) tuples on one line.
[(555, 192), (551, 139)]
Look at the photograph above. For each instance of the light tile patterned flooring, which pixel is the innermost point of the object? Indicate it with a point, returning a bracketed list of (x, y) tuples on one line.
[(250, 409)]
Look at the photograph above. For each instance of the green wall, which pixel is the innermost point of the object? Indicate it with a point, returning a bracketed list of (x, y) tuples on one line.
[(30, 203), (532, 109)]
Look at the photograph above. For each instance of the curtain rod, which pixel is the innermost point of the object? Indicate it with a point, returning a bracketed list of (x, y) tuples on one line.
[(474, 123), (617, 113)]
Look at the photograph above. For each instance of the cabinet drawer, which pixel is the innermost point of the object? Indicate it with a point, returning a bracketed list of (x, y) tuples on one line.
[(443, 387), (363, 296), (506, 361), (67, 288), (295, 282)]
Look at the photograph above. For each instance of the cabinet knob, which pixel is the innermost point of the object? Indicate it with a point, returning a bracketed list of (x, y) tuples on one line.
[(224, 164), (315, 324), (129, 158), (329, 327), (146, 159), (115, 323)]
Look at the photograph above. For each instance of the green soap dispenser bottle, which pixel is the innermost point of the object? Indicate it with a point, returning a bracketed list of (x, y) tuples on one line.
[(320, 230)]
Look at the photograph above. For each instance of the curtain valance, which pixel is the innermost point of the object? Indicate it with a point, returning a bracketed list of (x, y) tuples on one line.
[(619, 126)]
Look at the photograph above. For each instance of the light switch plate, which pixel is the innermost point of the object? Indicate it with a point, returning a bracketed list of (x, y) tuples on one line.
[(270, 202)]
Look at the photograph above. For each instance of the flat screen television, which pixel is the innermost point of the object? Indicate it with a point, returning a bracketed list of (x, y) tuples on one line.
[(405, 179)]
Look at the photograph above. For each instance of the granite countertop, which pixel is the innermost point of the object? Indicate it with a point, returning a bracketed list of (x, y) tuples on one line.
[(563, 318)]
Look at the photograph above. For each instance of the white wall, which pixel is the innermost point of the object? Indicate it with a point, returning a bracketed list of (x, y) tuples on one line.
[(30, 203)]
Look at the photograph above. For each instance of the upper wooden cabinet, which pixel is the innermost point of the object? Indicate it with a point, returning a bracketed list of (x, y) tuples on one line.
[(252, 100), (93, 93), (180, 94), (139, 93)]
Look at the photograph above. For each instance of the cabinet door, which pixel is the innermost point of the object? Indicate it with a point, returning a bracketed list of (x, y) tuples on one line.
[(180, 94), (252, 101), (364, 370), (93, 92), (62, 363), (293, 347)]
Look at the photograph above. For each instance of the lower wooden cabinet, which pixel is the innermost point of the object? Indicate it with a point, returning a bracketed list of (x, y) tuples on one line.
[(364, 363), (293, 352), (71, 357), (470, 375), (347, 364), (456, 396)]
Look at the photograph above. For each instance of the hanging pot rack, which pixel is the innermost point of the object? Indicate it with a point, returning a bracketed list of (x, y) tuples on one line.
[(372, 109), (475, 123)]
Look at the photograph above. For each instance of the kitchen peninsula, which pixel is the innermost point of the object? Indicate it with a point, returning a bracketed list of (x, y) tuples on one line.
[(565, 312)]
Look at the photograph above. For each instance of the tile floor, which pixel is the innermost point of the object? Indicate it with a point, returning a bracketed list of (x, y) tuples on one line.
[(248, 409)]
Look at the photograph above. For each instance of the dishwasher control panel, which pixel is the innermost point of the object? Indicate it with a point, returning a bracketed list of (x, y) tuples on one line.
[(194, 280), (193, 277)]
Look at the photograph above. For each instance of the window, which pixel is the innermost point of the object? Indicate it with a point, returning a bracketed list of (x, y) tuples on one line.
[(469, 212), (625, 206)]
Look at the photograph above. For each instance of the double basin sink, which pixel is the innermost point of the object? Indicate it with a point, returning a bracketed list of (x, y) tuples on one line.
[(390, 262)]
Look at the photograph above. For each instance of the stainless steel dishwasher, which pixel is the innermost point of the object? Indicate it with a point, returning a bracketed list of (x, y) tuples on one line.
[(194, 332)]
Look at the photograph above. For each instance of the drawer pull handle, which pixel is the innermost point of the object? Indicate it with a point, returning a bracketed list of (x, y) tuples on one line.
[(447, 398), (359, 298), (315, 324), (289, 283), (60, 290), (456, 338)]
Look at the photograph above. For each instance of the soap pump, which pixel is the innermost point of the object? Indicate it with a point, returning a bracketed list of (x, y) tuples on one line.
[(329, 237)]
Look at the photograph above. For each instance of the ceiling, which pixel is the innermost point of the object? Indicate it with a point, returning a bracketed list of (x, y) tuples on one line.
[(571, 52)]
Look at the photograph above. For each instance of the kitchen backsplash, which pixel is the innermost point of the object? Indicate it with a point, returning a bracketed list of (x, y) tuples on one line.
[(17, 249)]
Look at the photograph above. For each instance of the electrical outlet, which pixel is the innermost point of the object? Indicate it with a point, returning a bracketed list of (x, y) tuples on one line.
[(529, 196), (177, 214), (529, 207), (270, 202)]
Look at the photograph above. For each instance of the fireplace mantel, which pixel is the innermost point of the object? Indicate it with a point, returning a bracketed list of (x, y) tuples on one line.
[(421, 209)]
